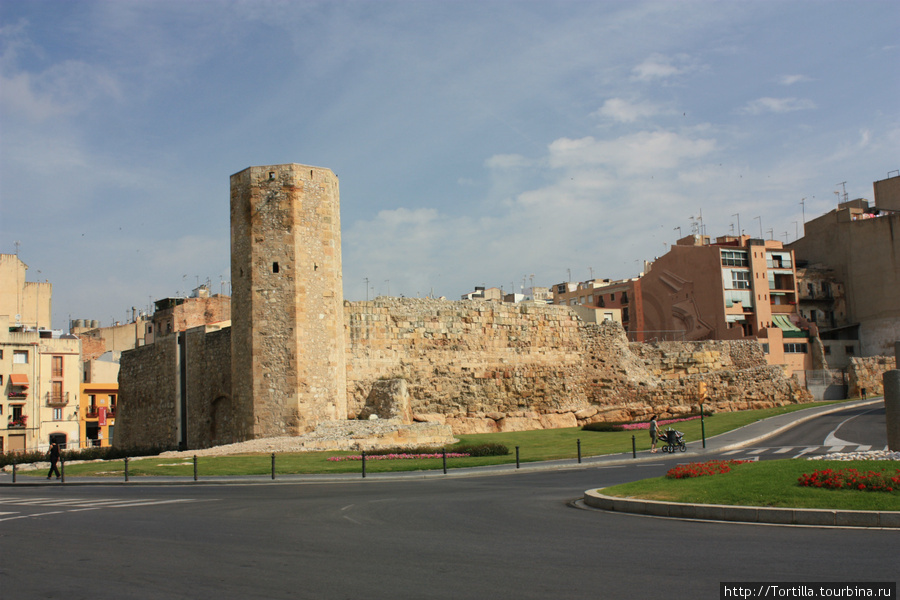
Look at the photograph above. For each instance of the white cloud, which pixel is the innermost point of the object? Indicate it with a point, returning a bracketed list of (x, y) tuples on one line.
[(792, 79), (640, 152), (776, 105), (624, 111), (659, 66)]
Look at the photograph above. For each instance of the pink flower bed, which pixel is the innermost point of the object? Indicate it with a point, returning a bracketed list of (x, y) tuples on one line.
[(660, 423), (395, 456)]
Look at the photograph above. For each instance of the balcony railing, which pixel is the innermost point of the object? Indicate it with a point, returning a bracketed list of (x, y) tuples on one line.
[(17, 396), (57, 399)]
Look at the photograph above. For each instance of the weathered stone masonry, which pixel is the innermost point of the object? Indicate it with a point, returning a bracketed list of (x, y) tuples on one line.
[(478, 367), (298, 356)]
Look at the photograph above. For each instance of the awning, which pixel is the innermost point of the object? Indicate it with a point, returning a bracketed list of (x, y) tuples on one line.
[(18, 379), (788, 329)]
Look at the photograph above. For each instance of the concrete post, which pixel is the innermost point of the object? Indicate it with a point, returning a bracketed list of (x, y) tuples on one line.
[(892, 408)]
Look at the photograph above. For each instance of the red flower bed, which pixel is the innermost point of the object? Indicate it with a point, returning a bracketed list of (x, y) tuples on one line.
[(851, 479), (712, 467)]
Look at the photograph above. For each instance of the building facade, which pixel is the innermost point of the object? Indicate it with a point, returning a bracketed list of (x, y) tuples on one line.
[(735, 288), (40, 369), (860, 245), (617, 300)]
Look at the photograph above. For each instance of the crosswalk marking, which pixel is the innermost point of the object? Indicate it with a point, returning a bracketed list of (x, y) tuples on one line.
[(70, 505), (801, 451)]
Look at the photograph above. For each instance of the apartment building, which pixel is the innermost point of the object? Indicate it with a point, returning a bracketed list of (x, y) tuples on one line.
[(730, 289), (616, 300), (854, 249), (40, 369), (173, 315)]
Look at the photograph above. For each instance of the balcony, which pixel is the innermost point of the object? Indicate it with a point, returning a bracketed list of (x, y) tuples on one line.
[(18, 397), (17, 423), (57, 399)]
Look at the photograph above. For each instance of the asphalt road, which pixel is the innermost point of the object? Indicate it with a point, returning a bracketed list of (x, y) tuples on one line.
[(515, 535)]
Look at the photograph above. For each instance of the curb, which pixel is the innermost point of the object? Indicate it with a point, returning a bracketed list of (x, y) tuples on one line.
[(745, 514)]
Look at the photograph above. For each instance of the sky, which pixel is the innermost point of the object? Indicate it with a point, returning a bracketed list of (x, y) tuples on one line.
[(496, 143)]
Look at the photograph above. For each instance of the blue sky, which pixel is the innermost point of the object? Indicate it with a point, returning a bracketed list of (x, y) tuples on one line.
[(477, 143)]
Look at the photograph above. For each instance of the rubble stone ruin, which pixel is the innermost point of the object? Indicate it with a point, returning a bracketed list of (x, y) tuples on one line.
[(297, 357)]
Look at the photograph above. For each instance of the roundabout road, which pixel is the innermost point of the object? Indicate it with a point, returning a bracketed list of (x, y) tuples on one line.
[(515, 535)]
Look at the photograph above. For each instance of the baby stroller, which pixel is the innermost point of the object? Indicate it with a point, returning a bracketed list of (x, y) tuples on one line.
[(672, 440)]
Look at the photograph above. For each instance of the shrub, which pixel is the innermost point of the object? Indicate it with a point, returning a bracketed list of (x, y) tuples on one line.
[(491, 449), (603, 426), (92, 453)]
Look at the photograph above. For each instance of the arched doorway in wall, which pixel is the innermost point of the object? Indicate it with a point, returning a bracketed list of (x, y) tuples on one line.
[(59, 438), (220, 421)]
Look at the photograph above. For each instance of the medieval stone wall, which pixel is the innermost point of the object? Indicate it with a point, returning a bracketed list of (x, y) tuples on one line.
[(868, 372), (208, 385), (148, 387), (483, 367), (476, 366)]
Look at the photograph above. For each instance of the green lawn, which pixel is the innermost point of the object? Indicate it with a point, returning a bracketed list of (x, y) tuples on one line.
[(539, 445), (766, 483)]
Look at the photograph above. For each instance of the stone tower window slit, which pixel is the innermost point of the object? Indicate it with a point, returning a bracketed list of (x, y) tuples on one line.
[(274, 267)]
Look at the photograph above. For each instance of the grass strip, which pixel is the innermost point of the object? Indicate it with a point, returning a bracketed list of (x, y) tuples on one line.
[(535, 445), (766, 483)]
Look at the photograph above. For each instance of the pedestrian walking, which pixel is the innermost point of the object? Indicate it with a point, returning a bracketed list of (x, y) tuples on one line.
[(654, 434), (54, 458)]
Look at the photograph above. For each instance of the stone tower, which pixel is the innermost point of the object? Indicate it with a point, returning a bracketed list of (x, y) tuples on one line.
[(287, 337)]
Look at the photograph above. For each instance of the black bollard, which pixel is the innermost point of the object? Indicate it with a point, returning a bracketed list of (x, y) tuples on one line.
[(364, 464), (195, 467), (517, 457), (579, 451), (14, 471), (62, 470), (444, 452), (702, 426), (633, 448), (273, 465), (126, 468)]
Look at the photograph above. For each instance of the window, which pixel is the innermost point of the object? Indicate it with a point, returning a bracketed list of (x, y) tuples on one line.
[(624, 297), (734, 258), (20, 357), (57, 366), (57, 414), (740, 280), (625, 314), (795, 348), (612, 297), (765, 348), (827, 350), (850, 350)]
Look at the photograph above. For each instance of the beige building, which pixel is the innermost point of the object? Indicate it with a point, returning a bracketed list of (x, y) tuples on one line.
[(40, 369), (618, 300), (492, 294), (26, 303), (860, 245), (736, 288)]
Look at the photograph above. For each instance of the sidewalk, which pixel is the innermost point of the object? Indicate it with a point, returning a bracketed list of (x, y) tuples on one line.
[(745, 436)]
